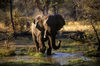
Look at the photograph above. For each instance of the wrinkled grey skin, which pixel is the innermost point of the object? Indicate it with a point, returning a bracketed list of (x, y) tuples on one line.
[(45, 29)]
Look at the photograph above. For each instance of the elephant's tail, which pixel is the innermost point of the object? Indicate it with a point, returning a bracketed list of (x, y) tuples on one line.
[(57, 47)]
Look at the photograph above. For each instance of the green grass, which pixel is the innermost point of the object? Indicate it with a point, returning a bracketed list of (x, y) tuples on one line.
[(7, 52), (79, 60), (39, 55), (27, 64), (92, 53), (69, 50)]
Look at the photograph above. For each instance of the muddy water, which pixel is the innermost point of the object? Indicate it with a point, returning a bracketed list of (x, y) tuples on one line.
[(58, 58)]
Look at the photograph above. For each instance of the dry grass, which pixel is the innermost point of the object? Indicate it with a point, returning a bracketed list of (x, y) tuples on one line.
[(3, 27), (78, 26), (7, 52)]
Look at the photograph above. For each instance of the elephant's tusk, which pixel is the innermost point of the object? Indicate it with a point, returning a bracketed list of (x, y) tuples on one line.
[(59, 42)]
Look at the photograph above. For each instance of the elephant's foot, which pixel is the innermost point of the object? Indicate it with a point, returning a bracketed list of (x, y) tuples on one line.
[(42, 50), (37, 50), (49, 52)]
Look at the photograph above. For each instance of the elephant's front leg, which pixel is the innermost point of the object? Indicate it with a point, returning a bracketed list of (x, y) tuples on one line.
[(49, 48), (36, 43), (41, 44)]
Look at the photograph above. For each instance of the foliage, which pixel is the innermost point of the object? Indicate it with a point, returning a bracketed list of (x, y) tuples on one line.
[(26, 7), (20, 63), (46, 5), (70, 9), (19, 21), (79, 60), (76, 62), (39, 55), (4, 4), (7, 52), (92, 53)]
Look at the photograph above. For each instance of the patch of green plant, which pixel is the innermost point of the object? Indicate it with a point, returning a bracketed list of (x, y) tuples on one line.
[(31, 53), (92, 53), (69, 50), (76, 43), (21, 63), (30, 49), (79, 60), (39, 54), (68, 41), (23, 49), (21, 53), (26, 51), (7, 52), (72, 49)]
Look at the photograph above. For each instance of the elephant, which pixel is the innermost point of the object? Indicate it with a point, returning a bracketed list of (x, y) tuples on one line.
[(46, 28)]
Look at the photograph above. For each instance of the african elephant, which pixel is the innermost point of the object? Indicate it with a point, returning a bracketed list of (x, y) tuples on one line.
[(47, 26)]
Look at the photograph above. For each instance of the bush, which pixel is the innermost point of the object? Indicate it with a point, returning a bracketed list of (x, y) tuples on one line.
[(7, 52)]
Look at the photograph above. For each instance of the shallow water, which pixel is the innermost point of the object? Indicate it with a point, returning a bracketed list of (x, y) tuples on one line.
[(62, 58), (58, 58)]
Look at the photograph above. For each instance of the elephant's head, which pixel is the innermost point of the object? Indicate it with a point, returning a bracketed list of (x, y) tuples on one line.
[(38, 23)]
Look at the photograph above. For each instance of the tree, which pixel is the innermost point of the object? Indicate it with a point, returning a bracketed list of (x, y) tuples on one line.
[(93, 14), (26, 7), (11, 14), (78, 9), (55, 4), (45, 5), (96, 33)]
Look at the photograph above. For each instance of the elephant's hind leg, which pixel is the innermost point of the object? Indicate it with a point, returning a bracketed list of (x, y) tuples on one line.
[(49, 48)]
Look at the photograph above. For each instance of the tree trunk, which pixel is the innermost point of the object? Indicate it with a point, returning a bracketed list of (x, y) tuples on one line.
[(11, 15), (97, 36)]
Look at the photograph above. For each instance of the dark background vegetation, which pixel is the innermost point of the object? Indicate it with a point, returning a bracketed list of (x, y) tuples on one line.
[(25, 10)]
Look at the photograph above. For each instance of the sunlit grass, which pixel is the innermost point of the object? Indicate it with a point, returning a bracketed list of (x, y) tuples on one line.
[(80, 26), (71, 46)]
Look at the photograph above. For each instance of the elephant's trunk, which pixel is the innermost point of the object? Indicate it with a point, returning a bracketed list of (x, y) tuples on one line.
[(53, 44), (57, 47)]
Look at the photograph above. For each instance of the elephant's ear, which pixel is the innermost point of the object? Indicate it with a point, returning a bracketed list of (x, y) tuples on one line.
[(39, 25)]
